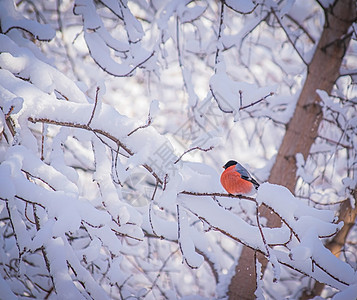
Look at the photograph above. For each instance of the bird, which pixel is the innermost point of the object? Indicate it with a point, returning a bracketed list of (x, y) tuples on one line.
[(236, 180)]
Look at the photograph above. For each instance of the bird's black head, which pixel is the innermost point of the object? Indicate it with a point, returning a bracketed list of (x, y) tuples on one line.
[(230, 163)]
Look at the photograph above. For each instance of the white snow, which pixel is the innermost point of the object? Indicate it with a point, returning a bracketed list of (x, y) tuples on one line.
[(116, 192), (10, 18)]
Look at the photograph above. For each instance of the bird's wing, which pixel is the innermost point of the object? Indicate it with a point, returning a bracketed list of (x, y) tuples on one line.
[(242, 171), (245, 175)]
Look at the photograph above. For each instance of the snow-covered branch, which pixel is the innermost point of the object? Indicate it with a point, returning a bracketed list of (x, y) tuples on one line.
[(115, 120)]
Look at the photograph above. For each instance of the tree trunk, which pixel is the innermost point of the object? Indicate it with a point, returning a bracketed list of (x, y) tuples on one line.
[(302, 130)]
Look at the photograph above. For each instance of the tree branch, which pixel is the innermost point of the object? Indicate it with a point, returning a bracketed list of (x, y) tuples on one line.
[(289, 37), (192, 149), (95, 105)]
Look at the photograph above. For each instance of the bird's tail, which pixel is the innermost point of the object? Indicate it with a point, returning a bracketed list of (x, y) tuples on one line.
[(255, 183)]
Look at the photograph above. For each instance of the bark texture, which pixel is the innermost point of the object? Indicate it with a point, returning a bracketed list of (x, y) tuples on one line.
[(302, 129)]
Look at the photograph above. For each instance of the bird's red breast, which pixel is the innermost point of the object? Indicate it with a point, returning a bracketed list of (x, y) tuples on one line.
[(233, 183)]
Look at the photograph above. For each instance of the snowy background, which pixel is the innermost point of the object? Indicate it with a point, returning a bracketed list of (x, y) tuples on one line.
[(116, 119)]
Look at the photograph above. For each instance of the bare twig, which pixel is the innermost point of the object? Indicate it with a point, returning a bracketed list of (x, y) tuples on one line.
[(28, 31), (337, 143), (180, 60), (242, 12), (165, 181), (150, 211), (29, 201), (95, 105), (114, 166), (255, 102), (218, 102), (44, 252), (240, 98), (9, 212), (297, 23), (26, 214), (179, 237), (159, 272), (219, 32), (118, 233), (9, 112), (43, 141), (263, 239), (192, 149), (289, 37), (148, 122), (96, 132), (42, 180), (129, 73), (9, 123)]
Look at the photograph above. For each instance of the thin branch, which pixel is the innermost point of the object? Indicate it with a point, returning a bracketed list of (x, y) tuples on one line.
[(28, 201), (217, 195), (104, 3), (338, 41), (26, 214), (218, 103), (39, 178), (180, 60), (13, 227), (264, 240), (179, 237), (322, 204), (36, 36), (210, 263), (321, 5), (148, 122), (310, 37), (192, 149), (165, 181), (150, 211), (337, 143), (255, 102), (241, 12), (159, 273), (9, 122), (44, 252), (43, 141), (95, 105), (114, 166), (219, 32), (95, 131), (129, 73), (249, 199), (118, 233), (240, 98), (203, 219), (289, 37), (109, 146), (7, 115)]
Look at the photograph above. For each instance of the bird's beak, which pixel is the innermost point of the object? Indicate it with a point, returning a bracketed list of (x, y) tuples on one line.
[(223, 167)]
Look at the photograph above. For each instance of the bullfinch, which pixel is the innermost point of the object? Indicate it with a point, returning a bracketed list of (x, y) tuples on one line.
[(236, 180)]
